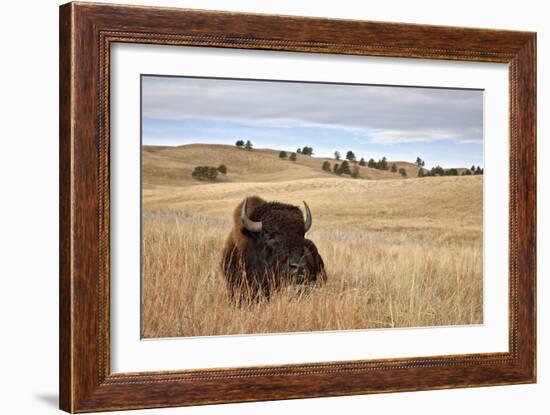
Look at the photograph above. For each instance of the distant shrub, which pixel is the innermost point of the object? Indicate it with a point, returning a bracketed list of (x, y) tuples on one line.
[(212, 173), (283, 155), (292, 157), (394, 168), (299, 150), (403, 172), (478, 170), (372, 164), (326, 166), (222, 169), (205, 173), (362, 162), (355, 172), (200, 172), (437, 171), (336, 169), (239, 143), (440, 171), (248, 145)]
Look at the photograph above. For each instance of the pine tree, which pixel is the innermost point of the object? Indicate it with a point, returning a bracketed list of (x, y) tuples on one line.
[(239, 143), (248, 145), (344, 168), (308, 151), (326, 166), (337, 155), (362, 162), (350, 156)]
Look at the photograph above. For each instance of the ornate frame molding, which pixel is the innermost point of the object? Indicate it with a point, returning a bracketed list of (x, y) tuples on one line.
[(86, 33)]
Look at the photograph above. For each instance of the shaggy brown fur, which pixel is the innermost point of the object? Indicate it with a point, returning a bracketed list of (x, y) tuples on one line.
[(236, 239), (256, 263)]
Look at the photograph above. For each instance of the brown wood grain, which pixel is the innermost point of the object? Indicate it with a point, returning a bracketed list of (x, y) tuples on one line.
[(65, 245), (86, 33)]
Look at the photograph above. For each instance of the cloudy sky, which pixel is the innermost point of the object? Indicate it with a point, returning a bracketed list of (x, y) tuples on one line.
[(442, 126)]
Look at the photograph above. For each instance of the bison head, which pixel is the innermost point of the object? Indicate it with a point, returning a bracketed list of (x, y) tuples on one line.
[(276, 242), (267, 249)]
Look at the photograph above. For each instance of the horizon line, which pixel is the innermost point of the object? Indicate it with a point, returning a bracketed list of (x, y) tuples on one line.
[(293, 151)]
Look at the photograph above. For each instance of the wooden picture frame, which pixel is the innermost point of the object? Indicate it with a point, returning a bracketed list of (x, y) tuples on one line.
[(86, 33)]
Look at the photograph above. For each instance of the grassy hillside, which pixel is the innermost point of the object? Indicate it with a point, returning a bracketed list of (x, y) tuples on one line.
[(173, 165), (398, 252), (433, 204)]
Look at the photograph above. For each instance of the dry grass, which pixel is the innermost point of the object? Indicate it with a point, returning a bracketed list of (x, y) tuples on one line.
[(399, 253)]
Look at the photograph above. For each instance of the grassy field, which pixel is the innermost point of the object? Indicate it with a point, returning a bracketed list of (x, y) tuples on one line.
[(398, 252)]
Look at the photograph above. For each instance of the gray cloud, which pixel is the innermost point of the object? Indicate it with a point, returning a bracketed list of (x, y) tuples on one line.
[(378, 113)]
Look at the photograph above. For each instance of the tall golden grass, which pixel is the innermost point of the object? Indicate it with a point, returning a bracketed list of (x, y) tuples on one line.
[(398, 253), (372, 283)]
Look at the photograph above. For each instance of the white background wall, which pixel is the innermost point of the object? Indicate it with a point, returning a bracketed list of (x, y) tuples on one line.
[(29, 207)]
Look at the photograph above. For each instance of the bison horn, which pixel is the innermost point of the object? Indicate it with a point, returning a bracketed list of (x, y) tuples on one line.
[(309, 218), (249, 224)]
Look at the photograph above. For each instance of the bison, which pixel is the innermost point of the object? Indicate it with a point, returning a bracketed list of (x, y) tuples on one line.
[(267, 249)]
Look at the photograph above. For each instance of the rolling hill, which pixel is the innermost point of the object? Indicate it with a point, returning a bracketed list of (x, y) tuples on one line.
[(174, 165)]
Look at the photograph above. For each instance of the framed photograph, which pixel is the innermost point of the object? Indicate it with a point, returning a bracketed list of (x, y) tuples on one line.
[(258, 207)]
